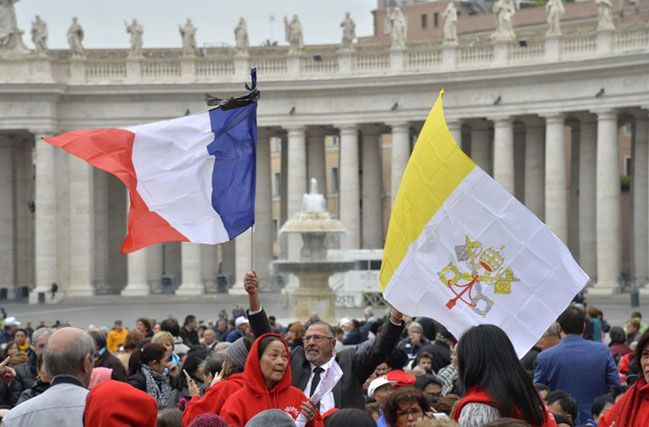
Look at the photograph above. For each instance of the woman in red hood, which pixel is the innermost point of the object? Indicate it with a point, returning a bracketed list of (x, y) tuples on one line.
[(267, 385)]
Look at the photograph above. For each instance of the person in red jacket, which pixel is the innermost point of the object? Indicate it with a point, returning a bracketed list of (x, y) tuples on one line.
[(231, 381), (632, 410), (267, 385)]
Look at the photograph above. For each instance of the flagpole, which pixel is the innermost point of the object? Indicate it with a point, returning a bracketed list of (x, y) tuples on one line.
[(252, 247)]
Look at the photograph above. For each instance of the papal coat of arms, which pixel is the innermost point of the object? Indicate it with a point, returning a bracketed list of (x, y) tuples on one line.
[(485, 267)]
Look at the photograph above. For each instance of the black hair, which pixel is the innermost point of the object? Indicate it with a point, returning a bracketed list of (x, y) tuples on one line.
[(642, 343), (263, 344), (562, 419), (572, 321), (171, 326), (396, 359), (566, 401), (500, 373), (422, 381), (349, 417), (617, 335), (149, 353), (636, 314), (598, 404), (189, 318), (193, 360), (99, 337)]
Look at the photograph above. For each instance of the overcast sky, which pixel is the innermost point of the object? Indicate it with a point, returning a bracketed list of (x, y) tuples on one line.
[(102, 20)]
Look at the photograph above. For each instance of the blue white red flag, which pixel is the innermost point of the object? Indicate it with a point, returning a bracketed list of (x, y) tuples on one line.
[(190, 179)]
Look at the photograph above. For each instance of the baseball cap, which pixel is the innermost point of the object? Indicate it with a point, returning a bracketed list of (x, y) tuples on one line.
[(11, 321), (240, 321), (378, 383)]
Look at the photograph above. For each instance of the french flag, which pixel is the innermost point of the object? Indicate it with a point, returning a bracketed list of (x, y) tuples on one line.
[(190, 179)]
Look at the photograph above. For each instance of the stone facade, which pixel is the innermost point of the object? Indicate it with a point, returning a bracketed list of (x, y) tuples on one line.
[(542, 118)]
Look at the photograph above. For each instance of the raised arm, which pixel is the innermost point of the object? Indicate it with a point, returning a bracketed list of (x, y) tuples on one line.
[(256, 314), (366, 362)]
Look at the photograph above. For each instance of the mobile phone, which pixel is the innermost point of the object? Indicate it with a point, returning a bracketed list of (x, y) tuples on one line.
[(187, 375)]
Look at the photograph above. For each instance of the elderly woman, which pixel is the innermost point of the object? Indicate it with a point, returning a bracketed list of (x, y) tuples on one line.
[(496, 384), (632, 410), (406, 407), (225, 384), (267, 385)]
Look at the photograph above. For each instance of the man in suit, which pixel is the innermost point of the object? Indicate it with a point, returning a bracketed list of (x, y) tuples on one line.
[(583, 368), (311, 362)]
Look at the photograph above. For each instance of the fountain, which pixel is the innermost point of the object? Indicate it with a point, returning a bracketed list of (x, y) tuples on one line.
[(314, 224)]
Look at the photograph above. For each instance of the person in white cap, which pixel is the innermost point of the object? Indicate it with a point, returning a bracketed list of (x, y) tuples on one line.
[(380, 389), (241, 327), (11, 325)]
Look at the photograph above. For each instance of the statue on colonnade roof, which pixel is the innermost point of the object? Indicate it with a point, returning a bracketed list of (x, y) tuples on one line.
[(294, 34), (505, 11), (399, 28), (39, 35), (450, 24), (604, 11), (555, 11), (349, 33), (136, 30), (75, 38), (188, 35), (241, 37), (11, 41)]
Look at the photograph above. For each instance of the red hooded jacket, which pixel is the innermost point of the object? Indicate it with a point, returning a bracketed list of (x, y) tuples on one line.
[(214, 398), (254, 397)]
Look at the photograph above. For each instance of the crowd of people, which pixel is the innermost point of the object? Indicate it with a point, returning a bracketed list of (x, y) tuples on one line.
[(392, 370)]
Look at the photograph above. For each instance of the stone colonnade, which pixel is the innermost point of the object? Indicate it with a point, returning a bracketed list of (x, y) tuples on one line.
[(563, 165)]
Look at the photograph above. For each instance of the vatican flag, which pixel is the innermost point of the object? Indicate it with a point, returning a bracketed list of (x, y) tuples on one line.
[(462, 250)]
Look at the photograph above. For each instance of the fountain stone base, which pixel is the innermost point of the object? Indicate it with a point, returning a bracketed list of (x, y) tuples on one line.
[(313, 296)]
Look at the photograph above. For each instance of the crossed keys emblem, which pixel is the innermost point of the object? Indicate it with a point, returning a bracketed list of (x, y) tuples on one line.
[(486, 267)]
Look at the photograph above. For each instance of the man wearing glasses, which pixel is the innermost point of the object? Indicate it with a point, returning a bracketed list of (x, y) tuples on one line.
[(310, 363)]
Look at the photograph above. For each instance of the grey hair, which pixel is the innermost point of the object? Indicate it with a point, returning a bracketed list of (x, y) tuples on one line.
[(330, 328), (222, 346), (70, 360), (553, 331), (41, 331), (415, 325)]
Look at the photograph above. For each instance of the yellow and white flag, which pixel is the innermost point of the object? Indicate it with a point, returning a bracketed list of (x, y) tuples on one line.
[(462, 250)]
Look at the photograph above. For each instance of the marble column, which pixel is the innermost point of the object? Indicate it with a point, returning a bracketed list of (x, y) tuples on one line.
[(504, 152), (400, 156), (7, 215), (350, 210), (101, 228), (242, 260), (283, 203), (534, 172), (297, 182), (556, 193), (23, 216), (371, 189), (480, 145), (639, 184), (264, 210), (587, 196), (82, 224), (191, 270), (455, 127), (608, 205), (137, 268), (316, 165), (45, 235)]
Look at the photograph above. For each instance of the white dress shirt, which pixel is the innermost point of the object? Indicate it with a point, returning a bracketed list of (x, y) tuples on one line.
[(327, 401)]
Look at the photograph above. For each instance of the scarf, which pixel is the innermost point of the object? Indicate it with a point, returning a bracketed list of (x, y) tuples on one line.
[(626, 410), (156, 386)]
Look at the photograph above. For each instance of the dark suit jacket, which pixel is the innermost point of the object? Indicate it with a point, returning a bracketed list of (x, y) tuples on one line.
[(356, 366)]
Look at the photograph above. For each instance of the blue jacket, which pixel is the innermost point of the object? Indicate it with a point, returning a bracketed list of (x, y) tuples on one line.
[(583, 368)]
